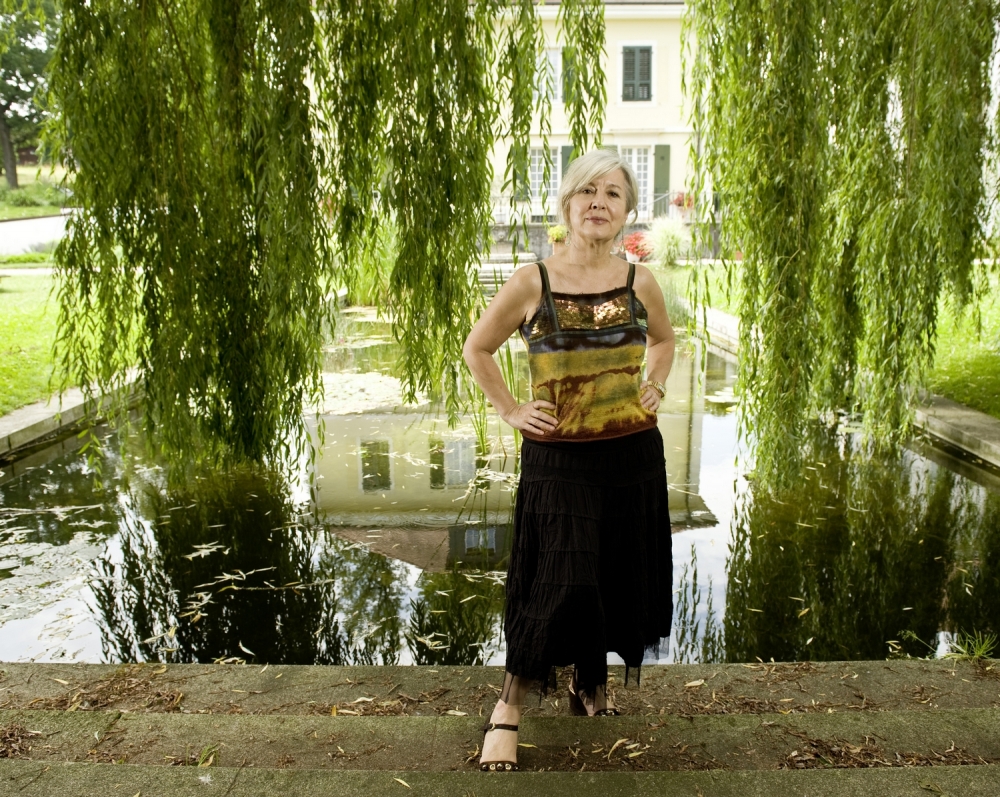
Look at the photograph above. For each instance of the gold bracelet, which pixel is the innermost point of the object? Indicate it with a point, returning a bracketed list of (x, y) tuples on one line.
[(657, 386)]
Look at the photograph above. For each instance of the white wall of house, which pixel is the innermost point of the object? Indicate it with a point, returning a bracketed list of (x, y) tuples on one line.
[(641, 129)]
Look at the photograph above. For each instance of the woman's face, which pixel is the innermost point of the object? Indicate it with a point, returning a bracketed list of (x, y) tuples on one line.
[(597, 211)]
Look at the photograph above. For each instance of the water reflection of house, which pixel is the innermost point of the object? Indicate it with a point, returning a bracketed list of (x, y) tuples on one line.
[(400, 481)]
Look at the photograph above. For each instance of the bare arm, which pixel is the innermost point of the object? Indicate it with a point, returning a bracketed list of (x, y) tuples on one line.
[(659, 336), (503, 316)]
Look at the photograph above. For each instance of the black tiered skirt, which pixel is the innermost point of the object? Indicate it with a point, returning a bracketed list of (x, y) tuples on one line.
[(591, 567)]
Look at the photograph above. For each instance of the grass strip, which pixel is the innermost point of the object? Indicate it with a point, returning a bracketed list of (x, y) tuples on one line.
[(28, 316)]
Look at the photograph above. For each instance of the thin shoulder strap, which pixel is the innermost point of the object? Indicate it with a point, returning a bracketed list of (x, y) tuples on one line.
[(547, 292), (631, 293)]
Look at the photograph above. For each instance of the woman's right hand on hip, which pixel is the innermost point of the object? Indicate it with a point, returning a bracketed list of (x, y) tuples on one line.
[(535, 417)]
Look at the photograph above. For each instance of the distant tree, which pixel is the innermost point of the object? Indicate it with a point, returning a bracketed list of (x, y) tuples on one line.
[(29, 34)]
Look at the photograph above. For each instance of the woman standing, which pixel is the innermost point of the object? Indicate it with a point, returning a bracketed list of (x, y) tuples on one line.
[(590, 570)]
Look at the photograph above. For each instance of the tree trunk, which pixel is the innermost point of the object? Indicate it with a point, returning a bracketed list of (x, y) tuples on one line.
[(9, 160)]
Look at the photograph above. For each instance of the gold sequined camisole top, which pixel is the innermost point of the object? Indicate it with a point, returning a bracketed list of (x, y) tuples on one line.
[(585, 353)]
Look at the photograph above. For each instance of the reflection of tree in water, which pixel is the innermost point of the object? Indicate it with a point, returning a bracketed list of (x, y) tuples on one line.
[(861, 551), (973, 595), (226, 562), (370, 591), (67, 496), (454, 618), (691, 643)]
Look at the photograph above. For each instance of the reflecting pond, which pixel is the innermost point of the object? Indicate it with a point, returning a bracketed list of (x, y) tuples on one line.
[(391, 547)]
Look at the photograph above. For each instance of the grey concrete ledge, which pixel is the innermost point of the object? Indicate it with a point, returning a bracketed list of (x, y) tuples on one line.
[(969, 429), (44, 779), (27, 425)]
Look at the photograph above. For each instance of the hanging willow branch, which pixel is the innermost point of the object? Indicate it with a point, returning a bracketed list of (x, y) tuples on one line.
[(224, 151), (846, 145), (438, 85), (199, 255)]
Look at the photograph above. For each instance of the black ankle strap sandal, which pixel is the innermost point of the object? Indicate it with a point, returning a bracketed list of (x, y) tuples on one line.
[(498, 766), (577, 707)]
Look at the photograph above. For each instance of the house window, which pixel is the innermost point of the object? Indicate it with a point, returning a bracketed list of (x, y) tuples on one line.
[(550, 73), (375, 466), (638, 159), (537, 173), (555, 73), (637, 73)]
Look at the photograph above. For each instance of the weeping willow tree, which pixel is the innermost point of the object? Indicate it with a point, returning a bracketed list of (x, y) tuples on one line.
[(233, 161), (846, 145)]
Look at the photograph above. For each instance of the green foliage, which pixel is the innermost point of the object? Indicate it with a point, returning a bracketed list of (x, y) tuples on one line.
[(972, 647), (370, 276), (428, 82), (215, 188), (27, 35), (967, 356), (846, 143), (25, 257), (557, 233), (27, 329), (879, 548), (200, 255), (669, 239)]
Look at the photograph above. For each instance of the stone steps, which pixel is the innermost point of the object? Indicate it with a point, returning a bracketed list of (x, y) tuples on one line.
[(39, 779), (496, 270), (848, 728)]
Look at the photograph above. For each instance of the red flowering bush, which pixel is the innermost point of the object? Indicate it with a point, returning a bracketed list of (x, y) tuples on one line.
[(683, 200), (637, 244)]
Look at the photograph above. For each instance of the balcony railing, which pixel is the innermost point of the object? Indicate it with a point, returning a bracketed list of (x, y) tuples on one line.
[(674, 204)]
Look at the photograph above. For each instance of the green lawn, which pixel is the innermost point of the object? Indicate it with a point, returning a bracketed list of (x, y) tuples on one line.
[(967, 366), (675, 280), (38, 194), (27, 331)]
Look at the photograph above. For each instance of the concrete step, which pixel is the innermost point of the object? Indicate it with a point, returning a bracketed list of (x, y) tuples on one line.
[(842, 728), (451, 743), (686, 690), (42, 779), (508, 257)]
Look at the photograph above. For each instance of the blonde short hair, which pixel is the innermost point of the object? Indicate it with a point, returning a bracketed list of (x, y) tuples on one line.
[(587, 168)]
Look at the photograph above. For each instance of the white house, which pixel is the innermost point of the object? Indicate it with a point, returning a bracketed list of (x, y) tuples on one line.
[(645, 117)]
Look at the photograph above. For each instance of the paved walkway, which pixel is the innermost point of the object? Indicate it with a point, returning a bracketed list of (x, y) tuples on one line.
[(19, 235)]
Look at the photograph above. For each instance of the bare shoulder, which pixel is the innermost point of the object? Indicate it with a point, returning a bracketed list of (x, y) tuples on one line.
[(518, 297), (525, 279), (645, 285)]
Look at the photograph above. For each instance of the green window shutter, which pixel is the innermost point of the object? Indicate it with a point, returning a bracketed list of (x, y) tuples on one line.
[(628, 73), (661, 178), (644, 78), (567, 157), (637, 73)]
